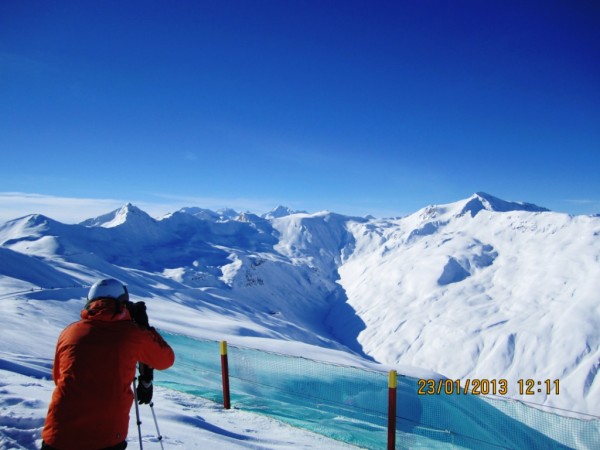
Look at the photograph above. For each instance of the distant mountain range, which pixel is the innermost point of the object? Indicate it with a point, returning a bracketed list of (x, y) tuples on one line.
[(480, 288)]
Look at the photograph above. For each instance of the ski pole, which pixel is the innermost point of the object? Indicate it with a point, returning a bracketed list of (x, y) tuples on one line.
[(137, 414), (156, 423)]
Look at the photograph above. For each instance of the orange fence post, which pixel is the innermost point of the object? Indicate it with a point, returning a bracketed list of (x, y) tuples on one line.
[(225, 375), (392, 385)]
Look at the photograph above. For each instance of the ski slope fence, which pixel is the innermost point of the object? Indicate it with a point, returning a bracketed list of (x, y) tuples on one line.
[(350, 404)]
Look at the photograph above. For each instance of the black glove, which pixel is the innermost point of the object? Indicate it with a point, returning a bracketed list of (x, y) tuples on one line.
[(144, 388), (139, 314), (144, 392)]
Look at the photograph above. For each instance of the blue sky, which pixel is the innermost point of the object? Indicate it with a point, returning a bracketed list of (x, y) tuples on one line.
[(357, 107)]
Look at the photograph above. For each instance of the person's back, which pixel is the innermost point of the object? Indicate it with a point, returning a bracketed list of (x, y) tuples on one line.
[(94, 368)]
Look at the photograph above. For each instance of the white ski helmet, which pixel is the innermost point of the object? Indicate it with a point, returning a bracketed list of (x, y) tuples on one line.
[(108, 288)]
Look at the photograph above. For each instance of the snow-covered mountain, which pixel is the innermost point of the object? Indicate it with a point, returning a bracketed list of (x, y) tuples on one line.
[(280, 211), (479, 288)]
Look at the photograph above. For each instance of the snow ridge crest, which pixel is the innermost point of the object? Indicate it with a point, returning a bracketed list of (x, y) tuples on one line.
[(482, 201)]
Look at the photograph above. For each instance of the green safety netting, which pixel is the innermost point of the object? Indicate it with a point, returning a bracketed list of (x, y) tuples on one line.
[(351, 404)]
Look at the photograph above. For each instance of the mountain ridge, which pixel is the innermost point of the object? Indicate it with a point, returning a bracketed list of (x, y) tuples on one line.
[(466, 289)]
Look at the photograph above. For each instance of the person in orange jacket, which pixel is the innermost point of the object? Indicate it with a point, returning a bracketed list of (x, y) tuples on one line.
[(94, 367)]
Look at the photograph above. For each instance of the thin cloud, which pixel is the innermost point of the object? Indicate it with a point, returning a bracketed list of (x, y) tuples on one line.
[(241, 204), (582, 201), (64, 209), (74, 210), (583, 206), (189, 156)]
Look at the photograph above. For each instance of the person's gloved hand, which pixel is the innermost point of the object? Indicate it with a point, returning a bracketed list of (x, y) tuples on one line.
[(139, 314), (144, 392), (144, 389)]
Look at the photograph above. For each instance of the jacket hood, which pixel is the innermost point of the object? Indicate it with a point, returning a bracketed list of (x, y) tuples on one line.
[(105, 310)]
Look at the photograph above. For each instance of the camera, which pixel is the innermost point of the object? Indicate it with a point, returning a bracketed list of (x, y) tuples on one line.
[(138, 313)]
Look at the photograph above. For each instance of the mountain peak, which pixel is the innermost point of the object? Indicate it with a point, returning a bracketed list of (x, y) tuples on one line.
[(227, 214), (280, 211), (483, 201), (479, 201), (124, 214), (37, 219)]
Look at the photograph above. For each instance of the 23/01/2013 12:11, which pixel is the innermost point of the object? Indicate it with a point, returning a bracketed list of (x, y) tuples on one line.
[(485, 386)]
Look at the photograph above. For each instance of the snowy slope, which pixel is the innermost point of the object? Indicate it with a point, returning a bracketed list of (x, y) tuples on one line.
[(184, 421), (478, 288), (483, 289)]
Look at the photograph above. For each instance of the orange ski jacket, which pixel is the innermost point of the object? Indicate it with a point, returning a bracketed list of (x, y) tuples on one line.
[(94, 367)]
